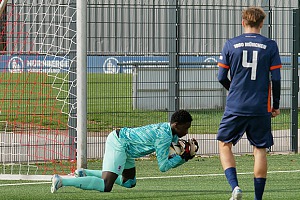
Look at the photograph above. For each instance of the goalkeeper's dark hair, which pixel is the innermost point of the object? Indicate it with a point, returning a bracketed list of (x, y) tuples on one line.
[(181, 117)]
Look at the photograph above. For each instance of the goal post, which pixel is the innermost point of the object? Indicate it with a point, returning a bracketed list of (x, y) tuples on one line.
[(39, 109), (2, 6), (82, 84)]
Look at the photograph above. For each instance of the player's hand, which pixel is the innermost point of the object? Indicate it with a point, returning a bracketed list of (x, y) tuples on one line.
[(186, 156), (275, 112), (186, 153)]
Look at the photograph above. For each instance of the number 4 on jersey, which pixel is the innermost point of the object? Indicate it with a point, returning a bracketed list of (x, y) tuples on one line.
[(253, 65)]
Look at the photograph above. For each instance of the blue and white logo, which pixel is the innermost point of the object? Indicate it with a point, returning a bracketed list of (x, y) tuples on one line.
[(111, 66), (15, 65), (210, 60)]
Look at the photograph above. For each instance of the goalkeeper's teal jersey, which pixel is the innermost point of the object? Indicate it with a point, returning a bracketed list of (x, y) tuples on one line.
[(144, 140)]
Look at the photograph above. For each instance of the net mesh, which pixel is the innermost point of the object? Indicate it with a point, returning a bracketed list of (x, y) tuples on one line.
[(38, 87)]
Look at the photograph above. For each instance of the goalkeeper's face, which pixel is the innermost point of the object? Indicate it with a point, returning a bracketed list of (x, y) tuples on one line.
[(181, 129)]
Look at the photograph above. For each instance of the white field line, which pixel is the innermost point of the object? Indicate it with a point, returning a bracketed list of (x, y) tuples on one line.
[(15, 184), (163, 177), (207, 175)]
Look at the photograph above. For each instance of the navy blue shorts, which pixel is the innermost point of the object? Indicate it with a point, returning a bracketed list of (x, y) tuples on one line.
[(257, 128)]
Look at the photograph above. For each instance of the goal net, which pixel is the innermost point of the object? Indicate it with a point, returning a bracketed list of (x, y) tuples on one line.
[(37, 89)]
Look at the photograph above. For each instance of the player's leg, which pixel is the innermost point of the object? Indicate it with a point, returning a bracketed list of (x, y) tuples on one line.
[(261, 138), (86, 183), (230, 131), (229, 166), (125, 180), (128, 178), (109, 180), (113, 164), (92, 182), (226, 156), (88, 172), (103, 184), (114, 161), (260, 171), (260, 162)]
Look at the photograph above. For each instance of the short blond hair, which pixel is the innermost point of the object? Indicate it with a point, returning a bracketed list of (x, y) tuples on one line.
[(253, 16)]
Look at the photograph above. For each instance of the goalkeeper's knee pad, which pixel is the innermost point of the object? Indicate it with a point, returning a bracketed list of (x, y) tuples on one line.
[(130, 183)]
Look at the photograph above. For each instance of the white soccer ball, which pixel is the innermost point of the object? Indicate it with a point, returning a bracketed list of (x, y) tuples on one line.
[(193, 146)]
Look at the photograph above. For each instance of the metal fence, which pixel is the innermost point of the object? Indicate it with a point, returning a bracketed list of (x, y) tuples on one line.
[(150, 58), (147, 59)]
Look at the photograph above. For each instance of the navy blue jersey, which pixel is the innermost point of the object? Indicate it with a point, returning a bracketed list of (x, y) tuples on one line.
[(253, 60)]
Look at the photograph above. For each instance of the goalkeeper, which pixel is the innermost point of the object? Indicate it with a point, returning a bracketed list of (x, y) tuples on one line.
[(126, 144)]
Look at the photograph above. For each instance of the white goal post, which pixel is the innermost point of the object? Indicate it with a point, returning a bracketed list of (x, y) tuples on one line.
[(42, 88), (82, 84), (2, 6)]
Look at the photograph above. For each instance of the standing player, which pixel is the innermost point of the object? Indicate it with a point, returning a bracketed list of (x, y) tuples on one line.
[(126, 144), (253, 60)]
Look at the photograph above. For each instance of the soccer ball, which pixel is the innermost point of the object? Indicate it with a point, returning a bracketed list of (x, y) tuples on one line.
[(190, 147), (193, 146)]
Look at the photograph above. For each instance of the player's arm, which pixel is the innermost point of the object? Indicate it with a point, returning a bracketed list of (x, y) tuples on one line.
[(162, 154), (224, 67), (222, 76), (276, 87), (275, 78)]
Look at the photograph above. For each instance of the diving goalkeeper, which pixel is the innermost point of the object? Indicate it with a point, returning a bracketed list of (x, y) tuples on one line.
[(126, 144)]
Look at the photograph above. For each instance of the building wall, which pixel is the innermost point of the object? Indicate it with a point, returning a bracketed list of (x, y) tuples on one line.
[(143, 27)]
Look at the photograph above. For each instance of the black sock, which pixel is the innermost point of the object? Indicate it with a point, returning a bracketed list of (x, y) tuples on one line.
[(259, 187)]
